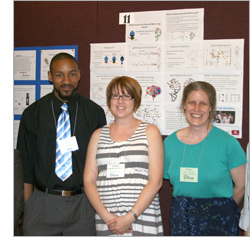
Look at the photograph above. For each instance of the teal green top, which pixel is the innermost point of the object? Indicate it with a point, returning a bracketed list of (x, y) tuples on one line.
[(222, 152)]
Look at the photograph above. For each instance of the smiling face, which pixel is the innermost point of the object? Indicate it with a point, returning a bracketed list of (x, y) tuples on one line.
[(197, 109), (122, 108), (65, 77), (124, 85)]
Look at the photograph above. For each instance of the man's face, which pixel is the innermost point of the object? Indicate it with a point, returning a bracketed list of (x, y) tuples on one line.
[(65, 77)]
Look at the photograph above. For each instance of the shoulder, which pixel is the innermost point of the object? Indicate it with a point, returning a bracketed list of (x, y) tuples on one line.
[(37, 106), (151, 129), (223, 138), (221, 134), (171, 138), (96, 135), (175, 133), (153, 133), (97, 132), (182, 134)]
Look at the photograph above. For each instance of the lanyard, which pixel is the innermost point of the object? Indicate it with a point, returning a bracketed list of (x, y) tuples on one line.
[(52, 107), (185, 150)]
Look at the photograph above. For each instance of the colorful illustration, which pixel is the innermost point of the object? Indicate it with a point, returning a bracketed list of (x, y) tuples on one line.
[(149, 114), (122, 59), (153, 91), (106, 59), (218, 56), (157, 33), (114, 59), (46, 61), (188, 81), (132, 35), (191, 35)]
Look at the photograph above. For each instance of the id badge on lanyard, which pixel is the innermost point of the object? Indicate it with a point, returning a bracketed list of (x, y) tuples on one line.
[(189, 175), (68, 144), (116, 171)]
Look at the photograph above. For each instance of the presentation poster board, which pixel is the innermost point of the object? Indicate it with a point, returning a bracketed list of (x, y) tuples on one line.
[(165, 51)]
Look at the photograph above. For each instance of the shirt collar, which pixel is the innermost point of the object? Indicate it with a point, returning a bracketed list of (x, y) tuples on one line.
[(57, 103)]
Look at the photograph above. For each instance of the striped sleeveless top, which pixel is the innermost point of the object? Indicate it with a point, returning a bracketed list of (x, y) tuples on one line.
[(119, 194)]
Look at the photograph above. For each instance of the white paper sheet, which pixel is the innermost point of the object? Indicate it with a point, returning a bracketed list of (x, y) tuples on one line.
[(25, 65), (23, 97), (110, 57)]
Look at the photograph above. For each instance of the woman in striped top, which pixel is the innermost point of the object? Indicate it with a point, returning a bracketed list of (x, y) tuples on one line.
[(124, 167)]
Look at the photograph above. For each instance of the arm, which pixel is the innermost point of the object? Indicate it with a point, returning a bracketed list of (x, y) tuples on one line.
[(28, 189), (89, 178), (155, 179), (238, 176), (26, 144)]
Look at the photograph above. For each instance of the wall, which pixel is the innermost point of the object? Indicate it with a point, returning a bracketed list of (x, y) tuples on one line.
[(48, 23)]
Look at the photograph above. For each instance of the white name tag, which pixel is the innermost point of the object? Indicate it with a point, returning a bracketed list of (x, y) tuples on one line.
[(68, 144), (189, 175), (115, 171)]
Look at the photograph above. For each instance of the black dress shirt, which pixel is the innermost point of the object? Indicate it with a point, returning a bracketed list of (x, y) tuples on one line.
[(37, 139)]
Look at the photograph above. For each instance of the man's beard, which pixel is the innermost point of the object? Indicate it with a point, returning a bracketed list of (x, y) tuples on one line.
[(66, 97)]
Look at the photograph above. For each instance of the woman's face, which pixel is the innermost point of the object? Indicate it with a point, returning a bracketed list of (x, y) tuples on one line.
[(197, 108), (122, 108)]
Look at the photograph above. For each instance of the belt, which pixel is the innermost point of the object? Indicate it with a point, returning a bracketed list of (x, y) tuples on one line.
[(65, 193)]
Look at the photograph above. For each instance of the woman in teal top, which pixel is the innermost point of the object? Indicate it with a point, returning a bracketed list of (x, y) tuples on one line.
[(206, 167)]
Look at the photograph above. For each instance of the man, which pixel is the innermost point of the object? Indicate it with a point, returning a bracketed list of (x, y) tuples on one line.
[(58, 206)]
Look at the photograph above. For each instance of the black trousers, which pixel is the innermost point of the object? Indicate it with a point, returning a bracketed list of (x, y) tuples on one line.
[(50, 215)]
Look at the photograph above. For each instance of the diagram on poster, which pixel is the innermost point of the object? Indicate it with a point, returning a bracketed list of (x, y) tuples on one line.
[(184, 25), (109, 57), (147, 27), (145, 58), (152, 114), (152, 87), (184, 57), (175, 83), (98, 85), (223, 55)]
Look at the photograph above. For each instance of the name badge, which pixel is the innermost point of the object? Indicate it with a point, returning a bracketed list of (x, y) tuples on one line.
[(115, 171), (68, 144), (189, 175)]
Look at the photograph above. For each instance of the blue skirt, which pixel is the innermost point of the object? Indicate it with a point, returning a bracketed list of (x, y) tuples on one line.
[(204, 216)]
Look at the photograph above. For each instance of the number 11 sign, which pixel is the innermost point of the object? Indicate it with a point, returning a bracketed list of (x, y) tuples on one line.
[(126, 18)]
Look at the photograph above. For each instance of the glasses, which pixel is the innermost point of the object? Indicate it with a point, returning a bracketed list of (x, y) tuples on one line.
[(124, 97)]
